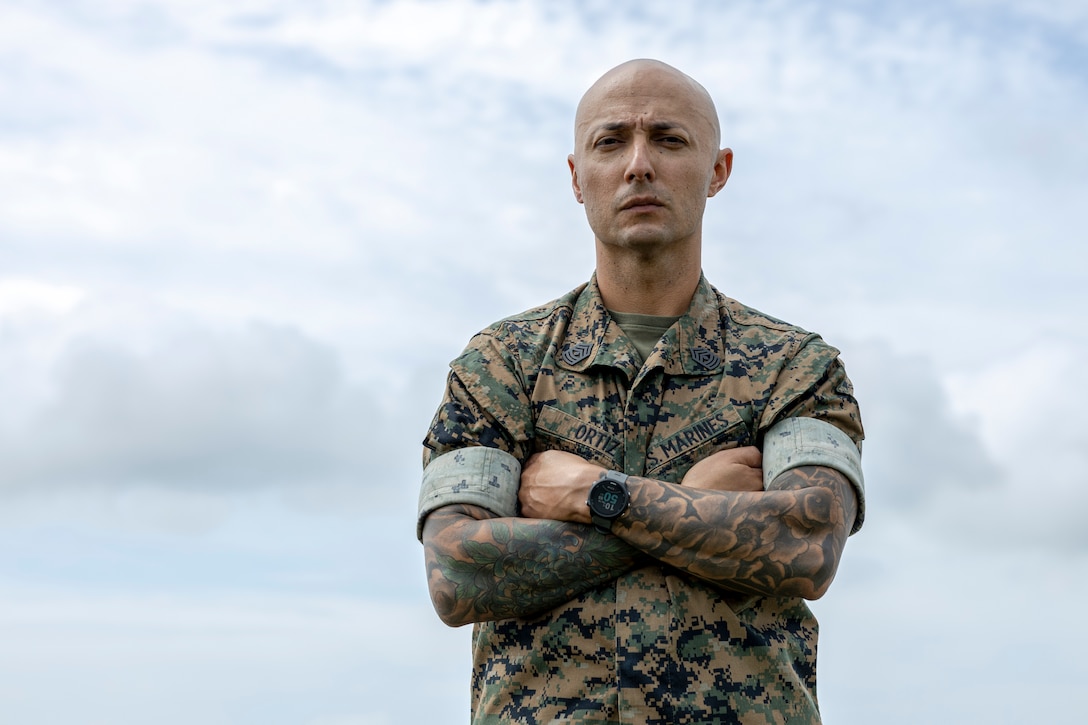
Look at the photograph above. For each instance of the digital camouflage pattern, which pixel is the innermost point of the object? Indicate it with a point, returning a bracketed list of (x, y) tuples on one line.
[(656, 645)]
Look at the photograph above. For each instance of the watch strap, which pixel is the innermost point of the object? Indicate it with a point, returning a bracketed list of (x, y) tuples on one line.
[(601, 522)]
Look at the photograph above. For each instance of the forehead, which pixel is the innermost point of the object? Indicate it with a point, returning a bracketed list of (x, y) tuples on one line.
[(646, 96)]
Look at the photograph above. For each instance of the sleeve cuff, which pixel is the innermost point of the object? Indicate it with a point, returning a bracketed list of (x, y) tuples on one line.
[(478, 476)]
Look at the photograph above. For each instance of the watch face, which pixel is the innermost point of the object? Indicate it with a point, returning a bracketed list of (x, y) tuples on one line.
[(609, 499)]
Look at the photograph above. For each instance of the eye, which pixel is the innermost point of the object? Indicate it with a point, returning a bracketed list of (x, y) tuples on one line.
[(607, 141)]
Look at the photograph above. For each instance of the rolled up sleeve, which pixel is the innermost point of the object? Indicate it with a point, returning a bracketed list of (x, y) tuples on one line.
[(478, 476)]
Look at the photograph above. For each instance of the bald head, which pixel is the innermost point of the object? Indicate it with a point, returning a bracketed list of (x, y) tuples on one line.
[(645, 78)]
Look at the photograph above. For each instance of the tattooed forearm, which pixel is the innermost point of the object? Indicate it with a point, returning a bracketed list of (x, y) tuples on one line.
[(482, 568), (783, 542)]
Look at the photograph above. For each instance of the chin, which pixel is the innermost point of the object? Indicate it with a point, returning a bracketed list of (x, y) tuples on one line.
[(644, 242)]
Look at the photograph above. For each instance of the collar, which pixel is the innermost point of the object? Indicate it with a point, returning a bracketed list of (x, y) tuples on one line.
[(692, 346)]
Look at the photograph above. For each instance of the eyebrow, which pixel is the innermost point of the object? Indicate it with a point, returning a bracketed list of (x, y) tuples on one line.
[(655, 126)]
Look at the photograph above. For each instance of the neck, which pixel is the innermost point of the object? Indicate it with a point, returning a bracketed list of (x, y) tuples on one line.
[(661, 284)]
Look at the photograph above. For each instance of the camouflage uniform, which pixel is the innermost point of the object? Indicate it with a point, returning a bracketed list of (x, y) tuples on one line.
[(656, 645)]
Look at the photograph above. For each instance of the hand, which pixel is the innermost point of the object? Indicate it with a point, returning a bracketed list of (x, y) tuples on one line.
[(555, 485), (735, 469)]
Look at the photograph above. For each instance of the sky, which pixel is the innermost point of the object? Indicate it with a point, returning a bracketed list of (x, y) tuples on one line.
[(240, 243)]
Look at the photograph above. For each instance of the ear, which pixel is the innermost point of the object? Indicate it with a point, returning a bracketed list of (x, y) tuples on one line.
[(723, 166), (574, 179)]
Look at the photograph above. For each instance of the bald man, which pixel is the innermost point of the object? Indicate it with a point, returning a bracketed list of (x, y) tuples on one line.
[(631, 491)]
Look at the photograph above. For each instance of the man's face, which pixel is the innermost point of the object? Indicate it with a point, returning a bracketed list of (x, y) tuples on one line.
[(646, 158)]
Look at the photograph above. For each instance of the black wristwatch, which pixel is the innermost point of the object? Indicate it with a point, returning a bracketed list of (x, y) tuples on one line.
[(608, 499)]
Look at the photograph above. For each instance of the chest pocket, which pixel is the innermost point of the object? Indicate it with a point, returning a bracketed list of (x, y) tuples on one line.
[(556, 430), (670, 456)]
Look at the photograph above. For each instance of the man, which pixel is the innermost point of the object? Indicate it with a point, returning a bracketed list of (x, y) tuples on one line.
[(631, 489)]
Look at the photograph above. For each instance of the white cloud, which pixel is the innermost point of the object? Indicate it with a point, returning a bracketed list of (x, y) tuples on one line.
[(990, 460), (1027, 410), (917, 447), (26, 296), (212, 411), (238, 243)]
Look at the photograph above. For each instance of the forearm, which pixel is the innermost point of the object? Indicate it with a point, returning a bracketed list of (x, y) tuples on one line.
[(783, 542), (482, 568)]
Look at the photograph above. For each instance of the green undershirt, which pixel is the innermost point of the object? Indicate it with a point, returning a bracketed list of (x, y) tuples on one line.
[(643, 330)]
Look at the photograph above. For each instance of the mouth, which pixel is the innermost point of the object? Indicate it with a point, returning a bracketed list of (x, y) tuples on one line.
[(641, 203)]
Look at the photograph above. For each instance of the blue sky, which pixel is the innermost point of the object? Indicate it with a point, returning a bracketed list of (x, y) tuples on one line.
[(240, 242)]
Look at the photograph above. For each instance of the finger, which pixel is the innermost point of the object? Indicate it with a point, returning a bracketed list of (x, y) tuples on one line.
[(749, 456)]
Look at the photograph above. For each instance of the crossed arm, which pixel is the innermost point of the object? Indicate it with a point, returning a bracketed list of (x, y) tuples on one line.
[(720, 526)]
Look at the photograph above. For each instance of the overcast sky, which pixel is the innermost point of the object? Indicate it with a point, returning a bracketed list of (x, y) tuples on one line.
[(240, 242)]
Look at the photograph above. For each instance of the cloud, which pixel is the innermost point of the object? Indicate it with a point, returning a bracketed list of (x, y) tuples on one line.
[(992, 459), (239, 241), (212, 411), (916, 446), (23, 296), (1027, 409), (389, 178)]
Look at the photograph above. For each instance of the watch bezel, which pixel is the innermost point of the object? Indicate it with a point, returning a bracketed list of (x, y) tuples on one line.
[(610, 481)]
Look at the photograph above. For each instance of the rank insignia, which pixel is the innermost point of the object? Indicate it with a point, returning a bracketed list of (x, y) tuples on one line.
[(574, 354), (706, 358)]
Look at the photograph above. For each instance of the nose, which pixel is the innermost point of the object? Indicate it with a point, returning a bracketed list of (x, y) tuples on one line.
[(639, 163)]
